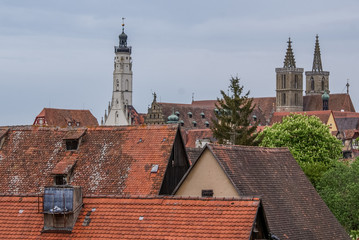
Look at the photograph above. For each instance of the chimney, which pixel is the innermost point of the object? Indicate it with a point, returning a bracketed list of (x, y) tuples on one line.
[(61, 207)]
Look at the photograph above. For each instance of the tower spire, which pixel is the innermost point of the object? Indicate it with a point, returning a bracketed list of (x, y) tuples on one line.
[(123, 25), (289, 61), (317, 61)]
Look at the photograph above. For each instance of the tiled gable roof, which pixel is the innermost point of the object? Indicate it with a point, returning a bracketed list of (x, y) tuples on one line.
[(109, 160), (322, 115), (337, 102), (293, 208), (136, 218), (61, 118), (347, 123)]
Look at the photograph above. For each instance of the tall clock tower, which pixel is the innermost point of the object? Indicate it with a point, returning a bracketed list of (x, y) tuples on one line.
[(118, 109)]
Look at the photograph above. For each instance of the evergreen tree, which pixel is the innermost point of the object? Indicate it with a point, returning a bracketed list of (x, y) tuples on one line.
[(233, 113)]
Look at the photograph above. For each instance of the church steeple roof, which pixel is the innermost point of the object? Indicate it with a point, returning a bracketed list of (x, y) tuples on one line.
[(123, 35), (317, 61), (289, 61)]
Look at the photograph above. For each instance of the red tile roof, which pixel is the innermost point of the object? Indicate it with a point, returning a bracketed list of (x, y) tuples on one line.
[(293, 208), (109, 160), (62, 117), (190, 136), (136, 218), (322, 115), (337, 102)]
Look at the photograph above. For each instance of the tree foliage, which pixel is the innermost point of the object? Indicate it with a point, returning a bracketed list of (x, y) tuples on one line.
[(233, 117), (308, 139), (339, 188)]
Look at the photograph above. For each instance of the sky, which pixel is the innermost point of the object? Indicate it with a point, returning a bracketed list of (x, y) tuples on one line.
[(59, 54)]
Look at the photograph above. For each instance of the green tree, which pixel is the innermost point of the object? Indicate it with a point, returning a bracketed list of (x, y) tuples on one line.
[(232, 125), (339, 188), (308, 139)]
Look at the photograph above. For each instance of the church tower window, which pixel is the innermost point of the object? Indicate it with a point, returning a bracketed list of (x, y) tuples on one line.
[(283, 81), (283, 99), (296, 81), (323, 83), (117, 85), (312, 83), (127, 85)]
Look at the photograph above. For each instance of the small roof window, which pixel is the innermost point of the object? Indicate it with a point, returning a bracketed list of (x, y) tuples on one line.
[(189, 114), (202, 115), (154, 168)]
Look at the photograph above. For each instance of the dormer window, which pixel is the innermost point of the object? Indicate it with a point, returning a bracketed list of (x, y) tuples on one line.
[(60, 180), (73, 139), (189, 114), (78, 124), (72, 144), (194, 124), (181, 122), (69, 124), (177, 113), (206, 123), (202, 115)]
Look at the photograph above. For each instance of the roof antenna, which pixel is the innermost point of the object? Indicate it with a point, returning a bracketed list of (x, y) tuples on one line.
[(192, 96), (347, 85)]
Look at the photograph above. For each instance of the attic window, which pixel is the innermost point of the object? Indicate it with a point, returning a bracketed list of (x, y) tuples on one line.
[(177, 113), (69, 124), (207, 124), (202, 115), (60, 180), (182, 122), (78, 124), (72, 144), (154, 168), (194, 123), (207, 193), (189, 114)]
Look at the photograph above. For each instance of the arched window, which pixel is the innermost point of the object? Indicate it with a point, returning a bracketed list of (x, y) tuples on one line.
[(323, 83), (283, 99), (283, 81), (117, 85), (312, 83), (296, 81), (127, 85), (296, 99)]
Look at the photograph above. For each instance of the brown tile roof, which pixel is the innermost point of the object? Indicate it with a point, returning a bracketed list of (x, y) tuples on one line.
[(61, 118), (196, 109), (347, 123), (337, 102), (264, 109), (340, 114), (293, 208), (136, 218), (193, 153), (110, 160), (322, 115)]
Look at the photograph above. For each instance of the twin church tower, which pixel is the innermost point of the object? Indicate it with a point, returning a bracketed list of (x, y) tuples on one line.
[(289, 81)]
